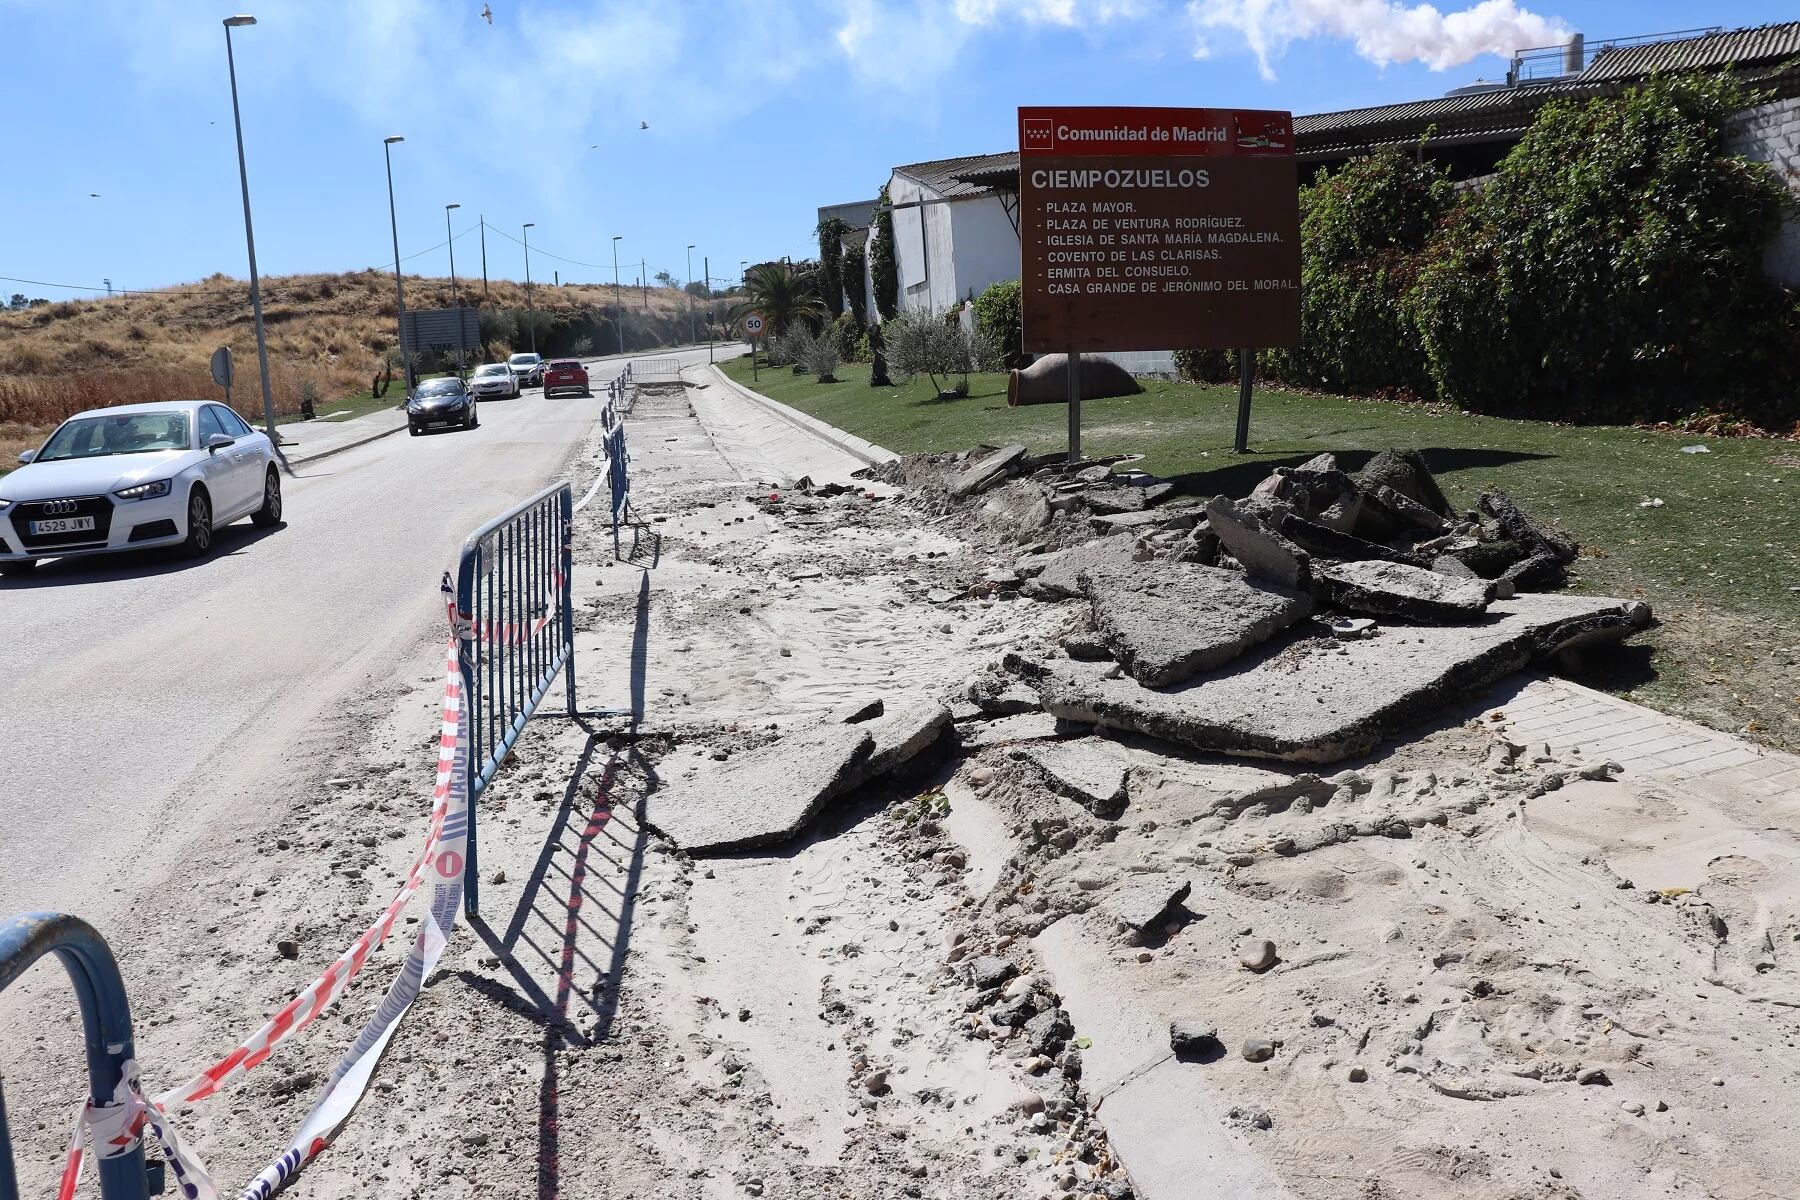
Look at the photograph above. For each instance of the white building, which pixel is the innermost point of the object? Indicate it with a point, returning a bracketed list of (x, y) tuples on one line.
[(956, 228)]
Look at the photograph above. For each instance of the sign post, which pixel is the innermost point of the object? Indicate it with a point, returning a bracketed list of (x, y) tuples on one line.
[(753, 325), (1157, 229), (223, 371)]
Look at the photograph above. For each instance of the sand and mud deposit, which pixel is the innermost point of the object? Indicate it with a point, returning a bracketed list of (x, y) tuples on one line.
[(940, 846)]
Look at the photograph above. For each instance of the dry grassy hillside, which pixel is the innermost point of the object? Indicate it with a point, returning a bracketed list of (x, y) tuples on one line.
[(331, 330)]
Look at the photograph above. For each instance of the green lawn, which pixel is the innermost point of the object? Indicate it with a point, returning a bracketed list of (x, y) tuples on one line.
[(1719, 560)]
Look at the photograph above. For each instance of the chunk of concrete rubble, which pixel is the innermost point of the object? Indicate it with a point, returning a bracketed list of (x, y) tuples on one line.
[(1019, 505), (765, 795), (1321, 700), (1404, 471), (1326, 542), (1518, 527), (1456, 568), (1026, 727), (1086, 771), (1146, 904), (1148, 519), (1109, 501), (1387, 589), (1405, 513), (903, 730), (1263, 552), (1057, 575), (987, 470), (1170, 624)]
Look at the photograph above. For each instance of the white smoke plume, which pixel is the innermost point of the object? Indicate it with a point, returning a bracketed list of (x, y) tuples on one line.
[(1383, 31)]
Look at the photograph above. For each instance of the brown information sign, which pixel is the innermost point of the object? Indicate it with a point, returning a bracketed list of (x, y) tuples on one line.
[(1158, 228)]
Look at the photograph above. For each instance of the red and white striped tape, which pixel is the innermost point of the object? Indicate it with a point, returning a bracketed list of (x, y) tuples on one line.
[(117, 1127)]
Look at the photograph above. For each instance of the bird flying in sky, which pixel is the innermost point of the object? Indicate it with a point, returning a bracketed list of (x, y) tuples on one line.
[(487, 14), (643, 124)]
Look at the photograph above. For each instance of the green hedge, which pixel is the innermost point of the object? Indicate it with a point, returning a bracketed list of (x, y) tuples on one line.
[(997, 317), (1610, 270)]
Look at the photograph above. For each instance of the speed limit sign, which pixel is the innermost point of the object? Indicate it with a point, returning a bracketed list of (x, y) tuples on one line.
[(753, 325)]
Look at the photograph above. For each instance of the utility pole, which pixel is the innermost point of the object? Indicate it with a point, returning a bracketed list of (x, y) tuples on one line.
[(455, 292), (262, 344), (484, 279), (618, 309), (706, 269), (399, 288), (529, 306), (644, 282), (690, 295)]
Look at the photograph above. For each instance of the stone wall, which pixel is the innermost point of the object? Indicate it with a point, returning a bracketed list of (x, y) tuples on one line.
[(1771, 133)]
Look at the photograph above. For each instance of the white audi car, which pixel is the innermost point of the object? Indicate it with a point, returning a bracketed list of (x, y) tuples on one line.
[(133, 477)]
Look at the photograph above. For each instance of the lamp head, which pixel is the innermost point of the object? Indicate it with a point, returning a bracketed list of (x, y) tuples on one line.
[(239, 21), (448, 207), (388, 141)]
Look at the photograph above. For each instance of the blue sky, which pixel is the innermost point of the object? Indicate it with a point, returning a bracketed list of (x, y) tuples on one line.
[(757, 113)]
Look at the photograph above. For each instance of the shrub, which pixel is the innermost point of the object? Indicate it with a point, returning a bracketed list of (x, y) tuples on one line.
[(795, 347), (822, 359), (1206, 366), (921, 344), (831, 281), (1612, 269), (997, 318), (884, 269), (1364, 230), (845, 335), (851, 271)]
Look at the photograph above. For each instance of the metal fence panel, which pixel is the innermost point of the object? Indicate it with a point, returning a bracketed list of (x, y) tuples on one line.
[(515, 622)]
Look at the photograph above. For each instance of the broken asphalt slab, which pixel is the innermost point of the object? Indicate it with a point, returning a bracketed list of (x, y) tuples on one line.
[(767, 795), (1389, 589), (987, 470), (1311, 699), (1087, 771), (1057, 575), (1168, 625)]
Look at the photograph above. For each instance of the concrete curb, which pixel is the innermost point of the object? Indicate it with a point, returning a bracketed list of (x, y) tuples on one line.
[(303, 459), (849, 443)]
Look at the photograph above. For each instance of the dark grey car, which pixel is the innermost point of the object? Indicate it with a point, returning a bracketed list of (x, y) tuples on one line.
[(441, 404)]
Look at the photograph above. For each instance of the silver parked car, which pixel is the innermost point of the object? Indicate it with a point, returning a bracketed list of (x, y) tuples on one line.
[(494, 379), (529, 368)]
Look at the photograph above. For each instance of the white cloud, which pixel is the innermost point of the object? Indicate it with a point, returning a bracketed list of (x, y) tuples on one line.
[(1383, 31)]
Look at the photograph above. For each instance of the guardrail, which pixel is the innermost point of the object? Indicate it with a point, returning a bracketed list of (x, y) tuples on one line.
[(106, 1025), (515, 623), (659, 368)]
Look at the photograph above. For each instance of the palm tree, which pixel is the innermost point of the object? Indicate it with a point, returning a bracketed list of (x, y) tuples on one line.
[(777, 294)]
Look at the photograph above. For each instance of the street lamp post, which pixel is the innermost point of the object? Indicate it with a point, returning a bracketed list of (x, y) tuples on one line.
[(262, 343), (455, 292), (529, 306), (618, 310), (690, 291), (399, 289)]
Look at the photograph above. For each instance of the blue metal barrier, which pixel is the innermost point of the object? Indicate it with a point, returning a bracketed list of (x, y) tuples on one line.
[(517, 625), (106, 1022), (618, 474)]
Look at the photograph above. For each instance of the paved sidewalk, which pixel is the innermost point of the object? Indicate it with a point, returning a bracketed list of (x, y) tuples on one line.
[(868, 452), (313, 440), (1642, 740)]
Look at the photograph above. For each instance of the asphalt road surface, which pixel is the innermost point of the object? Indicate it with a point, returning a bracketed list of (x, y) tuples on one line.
[(144, 694)]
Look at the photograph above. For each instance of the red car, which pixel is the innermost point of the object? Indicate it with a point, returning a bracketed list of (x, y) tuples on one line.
[(566, 375)]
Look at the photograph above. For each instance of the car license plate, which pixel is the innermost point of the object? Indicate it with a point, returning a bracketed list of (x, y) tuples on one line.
[(62, 525)]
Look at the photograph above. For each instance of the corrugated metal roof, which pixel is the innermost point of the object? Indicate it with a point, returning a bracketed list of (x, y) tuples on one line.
[(968, 176), (1505, 114), (1758, 46)]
